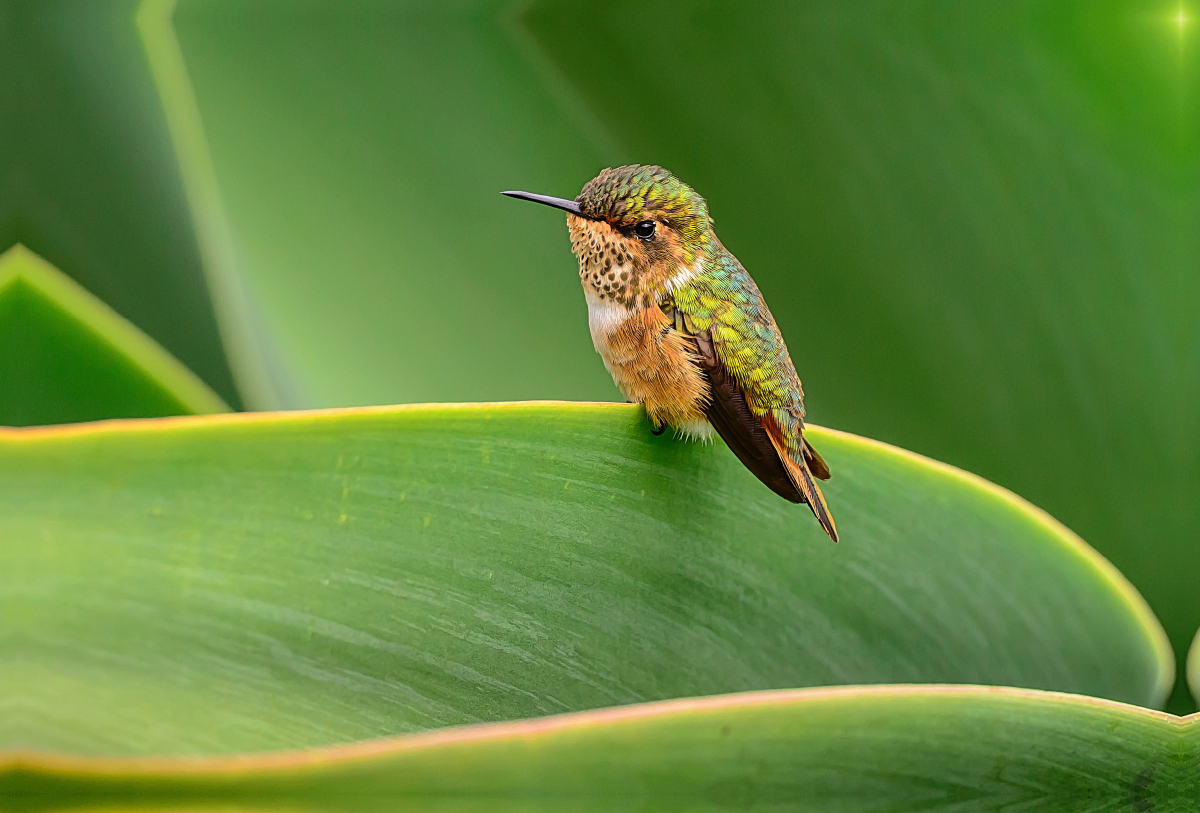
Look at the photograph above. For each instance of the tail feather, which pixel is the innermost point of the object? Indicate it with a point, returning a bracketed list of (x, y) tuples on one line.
[(802, 478), (816, 464), (816, 500)]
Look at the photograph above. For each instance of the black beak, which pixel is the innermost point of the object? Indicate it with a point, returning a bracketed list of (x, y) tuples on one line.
[(558, 203)]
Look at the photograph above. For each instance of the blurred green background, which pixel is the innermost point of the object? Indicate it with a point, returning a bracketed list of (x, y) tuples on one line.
[(977, 223)]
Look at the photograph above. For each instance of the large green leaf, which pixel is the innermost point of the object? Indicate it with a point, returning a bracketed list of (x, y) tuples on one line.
[(88, 178), (946, 749), (974, 221), (65, 356), (251, 582), (1193, 668), (977, 221)]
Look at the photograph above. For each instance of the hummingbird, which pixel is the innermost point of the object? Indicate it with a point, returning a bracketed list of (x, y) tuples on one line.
[(684, 330)]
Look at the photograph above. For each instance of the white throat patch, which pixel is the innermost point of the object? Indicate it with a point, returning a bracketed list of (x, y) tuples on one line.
[(604, 316), (683, 275)]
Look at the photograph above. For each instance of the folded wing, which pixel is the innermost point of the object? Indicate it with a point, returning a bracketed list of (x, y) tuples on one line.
[(758, 442)]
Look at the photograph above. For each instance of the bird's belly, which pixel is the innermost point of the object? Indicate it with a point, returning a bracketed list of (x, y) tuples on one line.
[(652, 364)]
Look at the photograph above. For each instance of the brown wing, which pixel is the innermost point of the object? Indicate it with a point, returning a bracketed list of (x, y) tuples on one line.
[(754, 444), (730, 415)]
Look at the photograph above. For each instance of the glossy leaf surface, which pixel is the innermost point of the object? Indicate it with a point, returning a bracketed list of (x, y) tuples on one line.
[(64, 356), (881, 748), (975, 222), (1193, 668), (261, 582)]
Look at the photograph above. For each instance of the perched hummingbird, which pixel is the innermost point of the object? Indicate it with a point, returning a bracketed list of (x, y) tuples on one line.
[(683, 329)]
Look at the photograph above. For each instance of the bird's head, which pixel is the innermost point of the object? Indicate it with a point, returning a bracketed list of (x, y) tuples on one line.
[(635, 229)]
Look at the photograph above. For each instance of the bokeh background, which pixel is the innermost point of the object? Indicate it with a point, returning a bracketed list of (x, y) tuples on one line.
[(977, 223)]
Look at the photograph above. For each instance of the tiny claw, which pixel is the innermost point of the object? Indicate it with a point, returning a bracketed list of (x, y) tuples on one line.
[(659, 430)]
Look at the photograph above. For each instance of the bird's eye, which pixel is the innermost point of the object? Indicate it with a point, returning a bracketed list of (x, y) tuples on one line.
[(645, 229)]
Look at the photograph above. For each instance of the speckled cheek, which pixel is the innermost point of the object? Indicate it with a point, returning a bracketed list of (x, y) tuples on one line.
[(605, 267)]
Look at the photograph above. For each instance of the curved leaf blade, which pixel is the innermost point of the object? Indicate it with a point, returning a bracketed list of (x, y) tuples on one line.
[(90, 181), (379, 232), (268, 581), (954, 246), (951, 249), (65, 356), (1193, 668), (931, 748)]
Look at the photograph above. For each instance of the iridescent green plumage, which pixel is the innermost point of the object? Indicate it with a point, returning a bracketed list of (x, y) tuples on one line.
[(724, 300)]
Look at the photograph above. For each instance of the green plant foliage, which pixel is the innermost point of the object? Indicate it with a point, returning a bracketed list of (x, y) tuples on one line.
[(64, 356), (975, 222), (1193, 667), (240, 583), (847, 749), (392, 130), (89, 177)]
